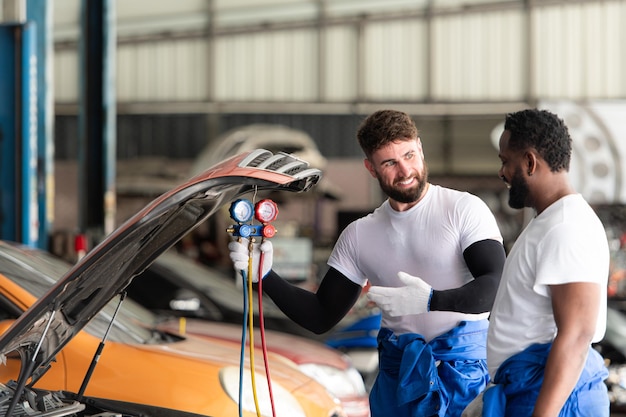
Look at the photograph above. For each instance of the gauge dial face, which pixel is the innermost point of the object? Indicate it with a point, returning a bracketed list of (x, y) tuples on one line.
[(241, 210), (268, 231), (266, 211)]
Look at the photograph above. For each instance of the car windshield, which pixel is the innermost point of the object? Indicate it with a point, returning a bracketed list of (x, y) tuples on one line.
[(36, 271)]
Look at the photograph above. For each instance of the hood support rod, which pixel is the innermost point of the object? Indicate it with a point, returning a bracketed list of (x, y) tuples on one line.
[(96, 356)]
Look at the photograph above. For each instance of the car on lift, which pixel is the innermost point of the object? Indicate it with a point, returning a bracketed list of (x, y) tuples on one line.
[(177, 286), (272, 137), (297, 246), (80, 340)]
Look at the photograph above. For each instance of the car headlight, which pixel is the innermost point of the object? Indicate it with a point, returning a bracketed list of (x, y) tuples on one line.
[(340, 382), (284, 403)]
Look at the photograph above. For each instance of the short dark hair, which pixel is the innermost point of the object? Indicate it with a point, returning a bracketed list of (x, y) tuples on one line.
[(544, 131), (383, 127)]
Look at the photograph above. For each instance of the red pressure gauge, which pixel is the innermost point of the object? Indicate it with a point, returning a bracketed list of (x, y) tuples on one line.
[(266, 211)]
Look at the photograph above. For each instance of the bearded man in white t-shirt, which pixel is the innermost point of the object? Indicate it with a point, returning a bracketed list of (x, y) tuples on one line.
[(433, 257), (551, 302)]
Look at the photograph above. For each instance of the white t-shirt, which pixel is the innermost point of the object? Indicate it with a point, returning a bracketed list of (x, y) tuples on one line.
[(427, 241), (565, 243)]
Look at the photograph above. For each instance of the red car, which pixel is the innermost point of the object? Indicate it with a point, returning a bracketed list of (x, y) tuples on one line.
[(175, 285), (326, 365)]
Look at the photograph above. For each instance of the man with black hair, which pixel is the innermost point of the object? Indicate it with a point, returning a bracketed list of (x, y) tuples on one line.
[(433, 257), (551, 303)]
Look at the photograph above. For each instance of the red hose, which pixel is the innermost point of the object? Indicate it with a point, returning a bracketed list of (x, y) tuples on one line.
[(262, 329)]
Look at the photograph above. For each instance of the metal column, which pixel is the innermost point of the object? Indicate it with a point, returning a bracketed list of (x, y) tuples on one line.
[(19, 206), (40, 12), (97, 138)]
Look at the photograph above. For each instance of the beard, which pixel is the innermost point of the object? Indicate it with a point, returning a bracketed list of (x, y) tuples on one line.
[(405, 195), (518, 191)]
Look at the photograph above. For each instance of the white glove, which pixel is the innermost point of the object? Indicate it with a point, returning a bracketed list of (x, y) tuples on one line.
[(401, 301), (240, 255)]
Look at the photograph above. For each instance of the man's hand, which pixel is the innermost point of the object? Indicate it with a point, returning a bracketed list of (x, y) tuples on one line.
[(414, 298), (240, 255)]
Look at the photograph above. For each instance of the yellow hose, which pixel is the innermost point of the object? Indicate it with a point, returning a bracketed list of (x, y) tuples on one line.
[(251, 330)]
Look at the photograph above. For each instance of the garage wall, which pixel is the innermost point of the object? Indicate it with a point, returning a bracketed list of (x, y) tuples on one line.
[(483, 52), (192, 69)]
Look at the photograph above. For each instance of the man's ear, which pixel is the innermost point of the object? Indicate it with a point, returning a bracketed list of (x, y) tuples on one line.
[(420, 147), (531, 163), (369, 167)]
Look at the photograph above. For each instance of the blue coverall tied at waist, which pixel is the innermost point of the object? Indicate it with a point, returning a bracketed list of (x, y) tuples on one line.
[(438, 378), (518, 381)]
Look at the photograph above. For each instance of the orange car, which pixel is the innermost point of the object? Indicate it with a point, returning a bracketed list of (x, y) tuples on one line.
[(73, 333)]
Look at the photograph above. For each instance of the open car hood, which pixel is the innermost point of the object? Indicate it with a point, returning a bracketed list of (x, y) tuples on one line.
[(45, 328)]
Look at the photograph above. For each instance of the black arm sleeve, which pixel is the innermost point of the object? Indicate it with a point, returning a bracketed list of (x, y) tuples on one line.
[(485, 260), (319, 311)]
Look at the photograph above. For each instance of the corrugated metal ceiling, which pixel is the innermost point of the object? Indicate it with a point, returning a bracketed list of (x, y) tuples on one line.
[(137, 17)]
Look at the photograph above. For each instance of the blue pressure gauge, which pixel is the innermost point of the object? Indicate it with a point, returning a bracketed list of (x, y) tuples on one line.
[(241, 210)]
